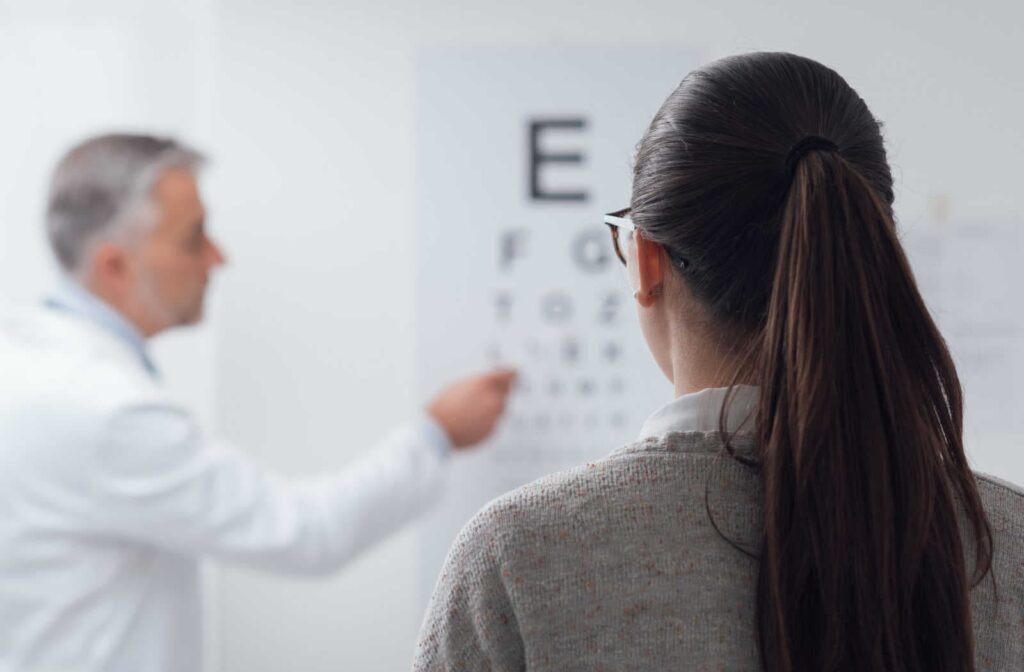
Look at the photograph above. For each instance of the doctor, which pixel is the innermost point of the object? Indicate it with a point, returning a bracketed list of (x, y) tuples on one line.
[(110, 493)]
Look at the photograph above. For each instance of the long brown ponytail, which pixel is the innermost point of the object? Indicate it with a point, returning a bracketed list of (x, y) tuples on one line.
[(860, 419)]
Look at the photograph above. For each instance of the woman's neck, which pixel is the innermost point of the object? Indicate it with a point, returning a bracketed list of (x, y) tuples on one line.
[(702, 360)]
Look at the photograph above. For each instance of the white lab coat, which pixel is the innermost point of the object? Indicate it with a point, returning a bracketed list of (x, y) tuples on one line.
[(110, 493)]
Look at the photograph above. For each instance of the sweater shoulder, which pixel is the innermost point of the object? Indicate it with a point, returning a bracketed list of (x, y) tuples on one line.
[(1004, 506), (649, 472)]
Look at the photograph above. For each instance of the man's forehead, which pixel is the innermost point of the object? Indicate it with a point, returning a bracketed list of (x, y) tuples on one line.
[(181, 209), (177, 184)]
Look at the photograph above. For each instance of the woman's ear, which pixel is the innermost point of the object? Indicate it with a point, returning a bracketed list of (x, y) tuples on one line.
[(650, 266)]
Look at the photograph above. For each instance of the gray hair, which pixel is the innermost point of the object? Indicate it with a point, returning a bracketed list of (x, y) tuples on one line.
[(102, 191)]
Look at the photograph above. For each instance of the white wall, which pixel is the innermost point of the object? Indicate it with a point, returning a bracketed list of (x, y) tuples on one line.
[(308, 109)]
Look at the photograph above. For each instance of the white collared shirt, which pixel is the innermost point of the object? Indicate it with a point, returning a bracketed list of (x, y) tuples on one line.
[(701, 411), (110, 493)]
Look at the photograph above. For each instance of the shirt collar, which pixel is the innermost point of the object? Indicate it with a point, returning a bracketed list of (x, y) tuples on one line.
[(701, 411), (72, 298)]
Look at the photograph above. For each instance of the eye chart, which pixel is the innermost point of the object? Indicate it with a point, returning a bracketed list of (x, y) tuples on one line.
[(520, 152)]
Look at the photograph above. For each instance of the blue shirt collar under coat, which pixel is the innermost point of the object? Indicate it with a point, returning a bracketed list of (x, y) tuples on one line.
[(72, 298)]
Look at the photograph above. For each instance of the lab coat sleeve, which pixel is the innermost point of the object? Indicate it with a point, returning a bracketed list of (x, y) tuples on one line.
[(159, 480)]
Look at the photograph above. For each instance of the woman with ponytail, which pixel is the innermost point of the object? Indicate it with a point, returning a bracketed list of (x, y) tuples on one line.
[(805, 503)]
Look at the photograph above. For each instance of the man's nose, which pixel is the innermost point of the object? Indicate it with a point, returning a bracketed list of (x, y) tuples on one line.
[(217, 257)]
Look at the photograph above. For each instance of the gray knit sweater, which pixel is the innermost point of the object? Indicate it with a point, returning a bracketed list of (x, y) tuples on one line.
[(615, 566)]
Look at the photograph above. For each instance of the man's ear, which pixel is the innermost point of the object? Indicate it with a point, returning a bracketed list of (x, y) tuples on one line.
[(108, 266), (650, 266)]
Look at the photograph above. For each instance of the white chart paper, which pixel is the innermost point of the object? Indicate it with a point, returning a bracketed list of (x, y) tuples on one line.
[(969, 271)]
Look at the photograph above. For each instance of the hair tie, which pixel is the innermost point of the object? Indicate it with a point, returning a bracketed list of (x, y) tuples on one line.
[(808, 144)]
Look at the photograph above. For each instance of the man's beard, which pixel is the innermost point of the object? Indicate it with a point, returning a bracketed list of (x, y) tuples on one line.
[(164, 314)]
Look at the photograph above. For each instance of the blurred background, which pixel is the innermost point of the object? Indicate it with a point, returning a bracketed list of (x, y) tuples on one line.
[(309, 112)]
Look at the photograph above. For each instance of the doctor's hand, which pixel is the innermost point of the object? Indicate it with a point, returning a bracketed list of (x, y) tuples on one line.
[(469, 408)]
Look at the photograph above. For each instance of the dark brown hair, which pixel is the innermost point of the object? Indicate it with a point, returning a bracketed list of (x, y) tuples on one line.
[(860, 416)]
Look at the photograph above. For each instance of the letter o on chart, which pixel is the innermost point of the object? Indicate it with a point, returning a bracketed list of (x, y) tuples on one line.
[(556, 307)]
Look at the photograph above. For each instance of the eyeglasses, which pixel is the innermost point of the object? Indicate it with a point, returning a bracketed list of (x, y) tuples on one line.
[(619, 222)]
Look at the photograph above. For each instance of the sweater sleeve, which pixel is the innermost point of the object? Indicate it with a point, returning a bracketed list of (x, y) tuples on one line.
[(471, 622)]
